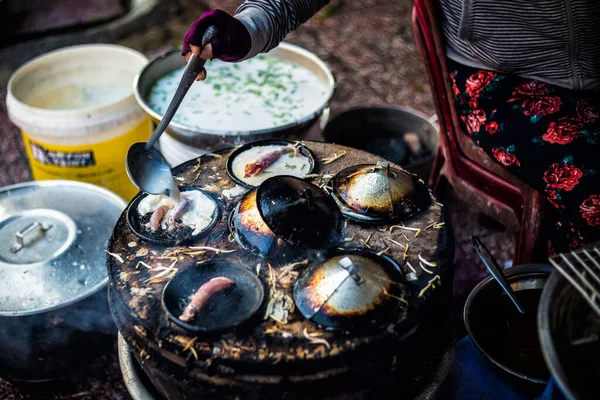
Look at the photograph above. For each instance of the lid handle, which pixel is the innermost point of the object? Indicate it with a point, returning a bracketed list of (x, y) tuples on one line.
[(349, 266), (383, 166), (33, 227)]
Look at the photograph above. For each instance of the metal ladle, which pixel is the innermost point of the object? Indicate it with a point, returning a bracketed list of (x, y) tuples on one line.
[(492, 266), (146, 166)]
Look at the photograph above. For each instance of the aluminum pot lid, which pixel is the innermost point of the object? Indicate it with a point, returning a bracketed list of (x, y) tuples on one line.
[(379, 193), (53, 236), (298, 211), (350, 288)]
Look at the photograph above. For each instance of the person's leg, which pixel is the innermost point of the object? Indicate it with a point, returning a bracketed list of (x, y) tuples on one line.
[(548, 137)]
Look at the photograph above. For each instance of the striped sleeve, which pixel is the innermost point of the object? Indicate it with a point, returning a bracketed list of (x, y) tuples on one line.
[(269, 21), (555, 41)]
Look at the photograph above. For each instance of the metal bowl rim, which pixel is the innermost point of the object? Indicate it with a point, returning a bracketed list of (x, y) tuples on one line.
[(157, 59), (515, 273), (366, 107), (406, 109)]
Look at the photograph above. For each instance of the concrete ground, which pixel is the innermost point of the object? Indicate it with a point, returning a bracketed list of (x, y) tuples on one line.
[(370, 48)]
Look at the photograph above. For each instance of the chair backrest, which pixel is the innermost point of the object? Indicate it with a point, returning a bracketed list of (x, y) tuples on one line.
[(473, 166), (431, 46)]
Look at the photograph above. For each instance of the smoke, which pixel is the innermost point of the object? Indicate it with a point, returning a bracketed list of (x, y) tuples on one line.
[(46, 345)]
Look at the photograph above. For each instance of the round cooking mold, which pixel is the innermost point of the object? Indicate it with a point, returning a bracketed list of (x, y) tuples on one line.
[(305, 151), (136, 223), (225, 309)]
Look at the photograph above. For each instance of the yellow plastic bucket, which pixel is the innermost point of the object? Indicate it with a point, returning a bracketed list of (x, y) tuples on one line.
[(78, 116)]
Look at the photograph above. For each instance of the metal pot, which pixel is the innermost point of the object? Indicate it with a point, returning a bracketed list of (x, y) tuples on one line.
[(53, 280), (211, 140), (486, 323), (384, 131)]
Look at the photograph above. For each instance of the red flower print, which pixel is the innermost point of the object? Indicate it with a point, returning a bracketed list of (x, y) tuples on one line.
[(480, 115), (533, 88), (474, 102), (586, 113), (472, 123), (454, 87), (553, 199), (505, 158), (492, 127), (541, 105), (478, 81), (562, 176), (564, 131), (590, 210), (474, 120)]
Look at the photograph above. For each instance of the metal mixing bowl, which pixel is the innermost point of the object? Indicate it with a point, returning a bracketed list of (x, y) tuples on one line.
[(211, 140)]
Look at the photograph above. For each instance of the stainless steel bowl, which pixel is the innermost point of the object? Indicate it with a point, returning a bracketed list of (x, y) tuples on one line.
[(568, 331), (211, 140)]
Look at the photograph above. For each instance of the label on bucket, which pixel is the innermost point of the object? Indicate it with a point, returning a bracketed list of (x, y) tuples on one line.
[(101, 163)]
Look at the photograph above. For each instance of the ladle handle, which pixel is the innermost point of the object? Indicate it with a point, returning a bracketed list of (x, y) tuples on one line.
[(193, 68), (492, 266)]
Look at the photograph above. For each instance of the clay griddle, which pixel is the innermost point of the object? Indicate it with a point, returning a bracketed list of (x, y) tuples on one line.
[(272, 348)]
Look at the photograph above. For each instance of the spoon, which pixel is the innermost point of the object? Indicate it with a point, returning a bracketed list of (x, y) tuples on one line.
[(492, 266), (146, 166)]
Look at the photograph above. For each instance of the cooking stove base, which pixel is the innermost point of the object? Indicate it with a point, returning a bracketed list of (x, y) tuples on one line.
[(440, 358)]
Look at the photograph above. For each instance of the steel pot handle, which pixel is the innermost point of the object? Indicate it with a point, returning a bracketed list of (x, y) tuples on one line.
[(29, 229)]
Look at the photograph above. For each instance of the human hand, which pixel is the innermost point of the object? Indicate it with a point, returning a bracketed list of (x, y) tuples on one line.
[(231, 43)]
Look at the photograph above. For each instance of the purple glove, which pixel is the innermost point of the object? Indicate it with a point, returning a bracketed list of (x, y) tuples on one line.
[(232, 42)]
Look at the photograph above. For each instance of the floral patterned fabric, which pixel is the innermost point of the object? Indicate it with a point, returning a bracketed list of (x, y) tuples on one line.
[(547, 136)]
